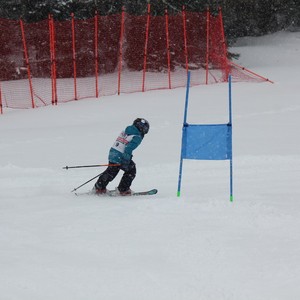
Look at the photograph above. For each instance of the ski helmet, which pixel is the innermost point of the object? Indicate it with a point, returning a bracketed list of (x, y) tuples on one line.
[(142, 125)]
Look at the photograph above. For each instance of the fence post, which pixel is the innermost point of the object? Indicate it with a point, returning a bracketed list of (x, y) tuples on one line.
[(74, 56), (185, 39), (96, 54), (121, 49), (168, 46), (207, 42), (146, 47), (27, 63), (52, 58)]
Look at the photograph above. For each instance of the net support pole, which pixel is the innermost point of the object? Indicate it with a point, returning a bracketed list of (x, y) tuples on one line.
[(27, 63), (74, 57), (230, 124), (207, 44), (121, 49), (96, 53), (183, 128), (51, 57), (146, 46), (52, 60), (168, 47)]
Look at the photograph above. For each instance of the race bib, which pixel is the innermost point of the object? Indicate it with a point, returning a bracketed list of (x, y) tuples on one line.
[(122, 140)]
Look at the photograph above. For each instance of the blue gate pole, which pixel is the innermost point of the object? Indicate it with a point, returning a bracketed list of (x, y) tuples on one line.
[(230, 123), (183, 129)]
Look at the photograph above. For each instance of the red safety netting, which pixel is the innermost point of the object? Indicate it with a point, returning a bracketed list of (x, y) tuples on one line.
[(36, 45), (12, 70), (58, 61), (134, 42)]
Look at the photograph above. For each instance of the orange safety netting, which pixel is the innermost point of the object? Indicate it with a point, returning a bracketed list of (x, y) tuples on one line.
[(58, 61)]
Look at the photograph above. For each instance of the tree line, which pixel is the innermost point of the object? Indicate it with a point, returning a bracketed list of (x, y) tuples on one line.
[(241, 17)]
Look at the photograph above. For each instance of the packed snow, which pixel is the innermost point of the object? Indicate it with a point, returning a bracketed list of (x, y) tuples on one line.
[(200, 246)]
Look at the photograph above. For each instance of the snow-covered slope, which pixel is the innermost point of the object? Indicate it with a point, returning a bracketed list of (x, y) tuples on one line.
[(55, 245)]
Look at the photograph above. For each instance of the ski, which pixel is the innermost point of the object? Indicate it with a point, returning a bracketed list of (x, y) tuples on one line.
[(114, 193)]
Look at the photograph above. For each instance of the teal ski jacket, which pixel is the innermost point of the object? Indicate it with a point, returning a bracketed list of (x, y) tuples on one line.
[(126, 142)]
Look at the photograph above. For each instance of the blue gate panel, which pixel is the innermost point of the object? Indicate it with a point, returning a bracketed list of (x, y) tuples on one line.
[(207, 142)]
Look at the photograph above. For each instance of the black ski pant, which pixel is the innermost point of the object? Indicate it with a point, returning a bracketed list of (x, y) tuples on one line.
[(112, 171)]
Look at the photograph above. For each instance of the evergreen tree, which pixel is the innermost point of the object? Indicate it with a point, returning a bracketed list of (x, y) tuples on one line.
[(241, 17)]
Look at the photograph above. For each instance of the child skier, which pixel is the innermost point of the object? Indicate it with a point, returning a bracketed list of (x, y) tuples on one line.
[(121, 154)]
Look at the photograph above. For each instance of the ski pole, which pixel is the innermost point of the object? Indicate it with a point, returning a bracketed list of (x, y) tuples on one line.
[(91, 166), (85, 183)]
